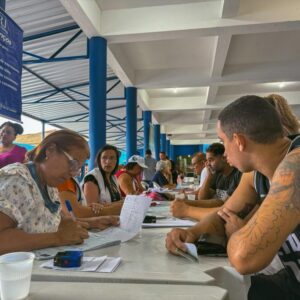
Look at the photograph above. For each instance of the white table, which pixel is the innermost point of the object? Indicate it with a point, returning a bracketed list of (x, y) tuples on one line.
[(112, 291), (144, 260)]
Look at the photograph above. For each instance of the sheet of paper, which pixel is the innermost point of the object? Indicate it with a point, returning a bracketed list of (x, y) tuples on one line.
[(133, 212), (191, 253), (192, 249), (102, 264), (110, 265), (131, 219), (170, 222), (96, 240), (159, 190)]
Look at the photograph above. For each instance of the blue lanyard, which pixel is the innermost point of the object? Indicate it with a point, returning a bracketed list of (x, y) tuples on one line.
[(52, 206)]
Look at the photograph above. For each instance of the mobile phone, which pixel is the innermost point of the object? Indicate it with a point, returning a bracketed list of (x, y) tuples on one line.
[(150, 219)]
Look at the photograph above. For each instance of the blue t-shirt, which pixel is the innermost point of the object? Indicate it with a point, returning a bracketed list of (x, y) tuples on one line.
[(160, 179)]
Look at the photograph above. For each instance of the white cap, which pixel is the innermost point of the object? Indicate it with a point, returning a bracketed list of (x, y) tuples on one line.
[(139, 160)]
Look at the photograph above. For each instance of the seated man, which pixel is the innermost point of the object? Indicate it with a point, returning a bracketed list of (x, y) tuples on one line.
[(254, 142), (221, 181), (198, 164)]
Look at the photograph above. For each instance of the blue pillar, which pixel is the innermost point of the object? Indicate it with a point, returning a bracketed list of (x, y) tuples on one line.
[(168, 148), (172, 152), (131, 120), (156, 128), (163, 142), (147, 120), (2, 4), (97, 103), (200, 148)]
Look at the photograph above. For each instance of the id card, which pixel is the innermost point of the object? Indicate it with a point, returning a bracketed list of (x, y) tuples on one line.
[(191, 253)]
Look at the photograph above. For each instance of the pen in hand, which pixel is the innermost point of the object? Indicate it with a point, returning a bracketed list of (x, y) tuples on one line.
[(70, 210)]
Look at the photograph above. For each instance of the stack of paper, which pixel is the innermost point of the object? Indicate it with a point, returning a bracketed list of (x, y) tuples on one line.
[(170, 222), (131, 219), (103, 264), (96, 240)]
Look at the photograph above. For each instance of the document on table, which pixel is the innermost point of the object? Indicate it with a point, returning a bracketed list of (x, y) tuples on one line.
[(96, 240), (131, 219), (170, 222), (102, 264)]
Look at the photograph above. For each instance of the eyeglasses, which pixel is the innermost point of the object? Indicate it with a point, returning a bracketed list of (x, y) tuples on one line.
[(106, 158), (73, 163)]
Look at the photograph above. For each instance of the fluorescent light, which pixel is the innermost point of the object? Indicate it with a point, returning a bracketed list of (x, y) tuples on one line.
[(282, 85)]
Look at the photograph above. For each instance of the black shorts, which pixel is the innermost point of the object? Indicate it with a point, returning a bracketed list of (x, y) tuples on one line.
[(280, 286)]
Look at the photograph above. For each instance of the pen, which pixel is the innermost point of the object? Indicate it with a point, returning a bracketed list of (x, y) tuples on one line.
[(70, 209)]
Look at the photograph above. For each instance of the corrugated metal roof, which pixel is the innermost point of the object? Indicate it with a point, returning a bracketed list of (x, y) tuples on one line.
[(40, 80)]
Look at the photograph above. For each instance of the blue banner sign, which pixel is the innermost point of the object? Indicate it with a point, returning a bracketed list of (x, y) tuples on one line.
[(11, 45)]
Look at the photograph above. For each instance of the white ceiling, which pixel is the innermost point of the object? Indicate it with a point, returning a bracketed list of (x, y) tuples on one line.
[(190, 58)]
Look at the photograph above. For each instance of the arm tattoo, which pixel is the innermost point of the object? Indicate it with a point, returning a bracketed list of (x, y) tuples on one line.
[(282, 203), (289, 185)]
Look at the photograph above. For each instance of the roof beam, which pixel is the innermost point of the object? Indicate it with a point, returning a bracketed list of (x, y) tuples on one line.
[(54, 86), (65, 45), (146, 23), (232, 75), (230, 8), (50, 32)]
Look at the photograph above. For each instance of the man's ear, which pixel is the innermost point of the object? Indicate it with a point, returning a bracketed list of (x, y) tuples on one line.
[(240, 141)]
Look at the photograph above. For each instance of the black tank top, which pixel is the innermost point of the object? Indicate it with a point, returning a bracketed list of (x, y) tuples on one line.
[(289, 252)]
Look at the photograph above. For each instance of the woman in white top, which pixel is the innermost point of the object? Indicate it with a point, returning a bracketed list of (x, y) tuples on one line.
[(100, 185), (30, 211)]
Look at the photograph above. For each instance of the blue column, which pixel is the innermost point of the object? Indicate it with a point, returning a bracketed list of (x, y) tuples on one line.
[(168, 148), (131, 120), (172, 152), (200, 148), (97, 103), (147, 120), (156, 128), (2, 4), (163, 142)]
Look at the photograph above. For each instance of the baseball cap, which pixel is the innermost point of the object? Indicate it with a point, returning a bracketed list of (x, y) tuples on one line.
[(139, 160)]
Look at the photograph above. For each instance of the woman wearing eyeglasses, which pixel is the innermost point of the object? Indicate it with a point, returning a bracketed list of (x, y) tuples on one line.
[(9, 152), (100, 185), (30, 211)]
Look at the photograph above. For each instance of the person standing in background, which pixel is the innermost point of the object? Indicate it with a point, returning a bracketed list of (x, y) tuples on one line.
[(9, 152), (150, 162), (163, 157)]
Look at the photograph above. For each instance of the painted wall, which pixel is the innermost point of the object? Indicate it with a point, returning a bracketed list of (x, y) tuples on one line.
[(189, 149)]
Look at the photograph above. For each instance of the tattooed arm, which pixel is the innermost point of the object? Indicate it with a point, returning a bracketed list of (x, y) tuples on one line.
[(253, 247)]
